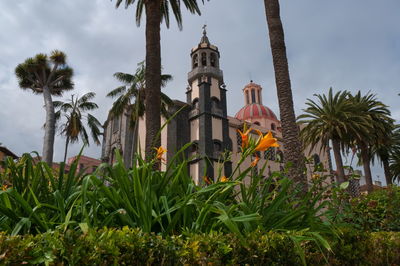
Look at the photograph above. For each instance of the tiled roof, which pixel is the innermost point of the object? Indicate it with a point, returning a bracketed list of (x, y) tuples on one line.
[(255, 110)]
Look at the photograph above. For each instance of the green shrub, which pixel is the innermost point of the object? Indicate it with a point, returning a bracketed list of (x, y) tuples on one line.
[(133, 247), (377, 211)]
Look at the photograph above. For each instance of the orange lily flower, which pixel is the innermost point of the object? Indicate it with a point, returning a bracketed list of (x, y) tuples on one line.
[(207, 180), (224, 179), (255, 162), (245, 136), (4, 187), (266, 142), (160, 152)]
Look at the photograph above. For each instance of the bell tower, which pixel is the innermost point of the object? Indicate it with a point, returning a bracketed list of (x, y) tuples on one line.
[(209, 128)]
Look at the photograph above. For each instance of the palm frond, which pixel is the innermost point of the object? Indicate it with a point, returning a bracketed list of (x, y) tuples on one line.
[(116, 92), (87, 106), (94, 126), (88, 96), (124, 77)]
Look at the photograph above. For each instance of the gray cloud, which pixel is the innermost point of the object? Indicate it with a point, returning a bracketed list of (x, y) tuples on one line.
[(350, 45)]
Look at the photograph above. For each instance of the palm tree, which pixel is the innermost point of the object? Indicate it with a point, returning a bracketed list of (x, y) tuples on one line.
[(156, 11), (290, 131), (395, 164), (133, 88), (74, 111), (332, 118), (379, 128), (382, 148), (49, 75)]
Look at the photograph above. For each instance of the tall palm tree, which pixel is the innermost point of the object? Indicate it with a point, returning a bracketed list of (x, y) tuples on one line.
[(290, 131), (380, 128), (133, 89), (383, 147), (332, 118), (75, 111), (156, 11), (49, 75)]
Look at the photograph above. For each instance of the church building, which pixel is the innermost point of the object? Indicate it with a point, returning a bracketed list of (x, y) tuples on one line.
[(203, 121)]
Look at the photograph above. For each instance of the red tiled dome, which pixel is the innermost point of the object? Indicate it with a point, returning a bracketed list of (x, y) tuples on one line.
[(255, 110)]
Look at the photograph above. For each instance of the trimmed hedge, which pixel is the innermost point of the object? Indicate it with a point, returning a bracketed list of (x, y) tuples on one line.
[(132, 247)]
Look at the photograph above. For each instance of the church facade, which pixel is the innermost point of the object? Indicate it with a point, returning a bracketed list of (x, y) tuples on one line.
[(204, 122)]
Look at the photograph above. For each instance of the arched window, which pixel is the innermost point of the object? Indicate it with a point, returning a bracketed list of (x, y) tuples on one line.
[(195, 61), (217, 145), (203, 59), (195, 103), (259, 96), (214, 102), (273, 126), (247, 97), (213, 60), (253, 96), (257, 123)]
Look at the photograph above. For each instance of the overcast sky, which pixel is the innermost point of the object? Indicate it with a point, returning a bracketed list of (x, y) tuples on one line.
[(352, 45)]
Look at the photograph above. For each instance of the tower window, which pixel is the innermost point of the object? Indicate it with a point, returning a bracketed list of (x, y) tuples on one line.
[(273, 127), (217, 145), (195, 61), (203, 59), (259, 96), (214, 102), (247, 97), (195, 103), (257, 123), (253, 96), (213, 60)]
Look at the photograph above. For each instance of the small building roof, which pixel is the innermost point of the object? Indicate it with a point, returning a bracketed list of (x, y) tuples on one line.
[(7, 152)]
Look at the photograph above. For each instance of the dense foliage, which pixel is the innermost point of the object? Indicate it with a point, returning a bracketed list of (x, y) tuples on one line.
[(378, 211), (163, 217), (133, 247)]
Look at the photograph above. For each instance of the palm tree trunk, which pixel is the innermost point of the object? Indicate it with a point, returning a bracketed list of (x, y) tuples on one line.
[(66, 149), (338, 161), (290, 130), (50, 127), (330, 163), (367, 169), (388, 174), (153, 76)]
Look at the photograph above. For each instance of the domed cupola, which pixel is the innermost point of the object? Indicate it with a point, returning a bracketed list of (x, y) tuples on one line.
[(254, 111)]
